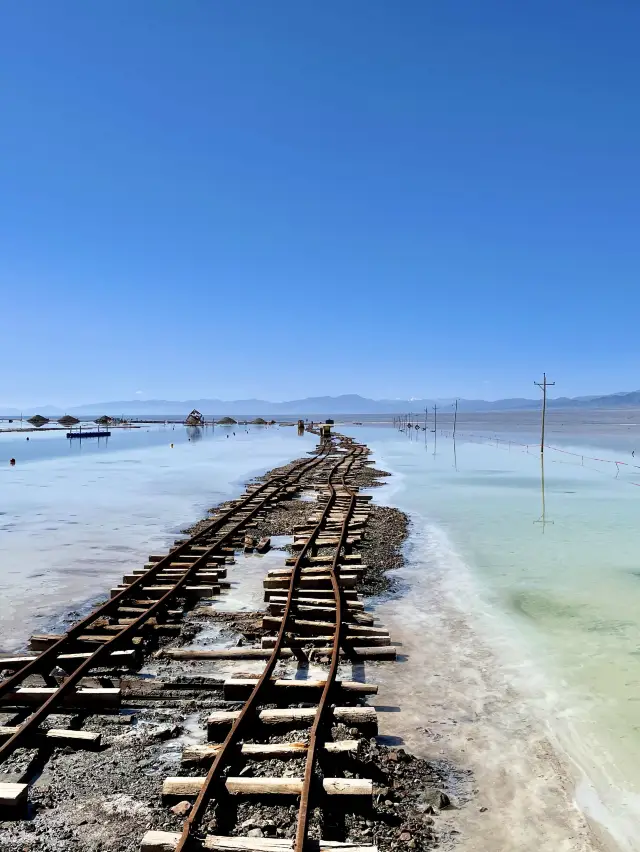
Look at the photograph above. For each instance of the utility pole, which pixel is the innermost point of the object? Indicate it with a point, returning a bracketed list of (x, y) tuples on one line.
[(435, 428), (543, 385), (455, 418)]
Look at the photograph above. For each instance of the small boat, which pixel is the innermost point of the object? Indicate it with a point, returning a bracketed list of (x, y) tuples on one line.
[(88, 433)]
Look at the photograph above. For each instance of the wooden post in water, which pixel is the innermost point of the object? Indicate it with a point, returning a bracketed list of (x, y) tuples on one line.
[(455, 418), (435, 428)]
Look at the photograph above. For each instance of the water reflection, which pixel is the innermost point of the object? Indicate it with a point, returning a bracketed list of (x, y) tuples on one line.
[(76, 521), (194, 433), (543, 517)]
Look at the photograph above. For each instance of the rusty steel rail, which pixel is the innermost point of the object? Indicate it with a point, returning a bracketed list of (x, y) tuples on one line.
[(230, 746), (48, 656), (317, 729)]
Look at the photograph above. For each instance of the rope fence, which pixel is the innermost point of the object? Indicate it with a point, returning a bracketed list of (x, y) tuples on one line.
[(503, 443)]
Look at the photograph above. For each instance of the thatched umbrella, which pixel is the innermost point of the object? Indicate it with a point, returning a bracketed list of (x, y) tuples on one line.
[(68, 420), (38, 420), (227, 421), (104, 420), (259, 421)]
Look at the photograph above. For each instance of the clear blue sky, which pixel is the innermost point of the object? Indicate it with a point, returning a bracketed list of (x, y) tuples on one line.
[(281, 199)]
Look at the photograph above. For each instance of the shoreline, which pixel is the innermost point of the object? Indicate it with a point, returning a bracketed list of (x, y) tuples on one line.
[(477, 717)]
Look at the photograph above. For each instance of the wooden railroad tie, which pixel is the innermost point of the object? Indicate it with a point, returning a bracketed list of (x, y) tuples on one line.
[(28, 696), (167, 841), (270, 786), (60, 737), (204, 754), (348, 595), (317, 611), (317, 571), (13, 796), (308, 600), (42, 641), (298, 544), (292, 717), (320, 641), (383, 652), (312, 580), (157, 592), (238, 689), (351, 558), (115, 659), (322, 628)]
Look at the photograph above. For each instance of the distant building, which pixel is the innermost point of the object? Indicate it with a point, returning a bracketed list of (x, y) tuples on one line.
[(195, 418)]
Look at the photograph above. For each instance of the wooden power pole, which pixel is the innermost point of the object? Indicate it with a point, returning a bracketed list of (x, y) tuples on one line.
[(455, 420), (543, 385), (435, 428)]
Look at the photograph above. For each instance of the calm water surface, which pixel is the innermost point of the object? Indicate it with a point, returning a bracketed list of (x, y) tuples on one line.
[(553, 578), (75, 516)]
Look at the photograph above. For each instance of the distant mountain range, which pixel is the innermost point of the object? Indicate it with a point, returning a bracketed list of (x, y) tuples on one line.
[(322, 405)]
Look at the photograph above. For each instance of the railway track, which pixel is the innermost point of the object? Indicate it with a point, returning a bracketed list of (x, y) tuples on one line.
[(314, 620), (312, 623), (110, 636)]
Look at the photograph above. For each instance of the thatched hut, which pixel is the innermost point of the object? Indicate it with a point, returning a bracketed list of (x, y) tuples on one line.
[(68, 420), (38, 420), (104, 420), (259, 421), (227, 421)]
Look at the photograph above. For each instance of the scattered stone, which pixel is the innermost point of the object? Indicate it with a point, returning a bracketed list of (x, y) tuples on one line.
[(443, 801), (181, 809), (164, 732), (255, 832)]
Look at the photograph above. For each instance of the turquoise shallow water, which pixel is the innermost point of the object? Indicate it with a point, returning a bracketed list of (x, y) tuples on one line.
[(554, 586), (75, 517)]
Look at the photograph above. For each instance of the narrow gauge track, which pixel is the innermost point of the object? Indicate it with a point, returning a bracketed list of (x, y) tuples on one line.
[(341, 497), (128, 613)]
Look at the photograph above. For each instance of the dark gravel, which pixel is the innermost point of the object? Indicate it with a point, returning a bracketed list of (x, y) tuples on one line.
[(382, 548)]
